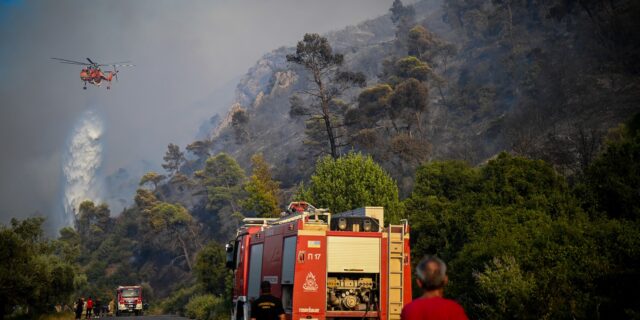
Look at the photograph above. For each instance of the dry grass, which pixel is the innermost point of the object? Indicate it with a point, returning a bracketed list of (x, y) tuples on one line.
[(58, 316)]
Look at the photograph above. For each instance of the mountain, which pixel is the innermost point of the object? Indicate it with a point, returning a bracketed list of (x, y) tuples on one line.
[(526, 83)]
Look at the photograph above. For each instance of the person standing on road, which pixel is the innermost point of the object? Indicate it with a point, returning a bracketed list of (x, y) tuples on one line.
[(79, 306), (89, 307), (431, 273), (267, 307), (97, 308), (112, 307)]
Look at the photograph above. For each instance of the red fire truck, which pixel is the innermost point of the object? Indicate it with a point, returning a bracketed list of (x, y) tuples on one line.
[(129, 300), (323, 265)]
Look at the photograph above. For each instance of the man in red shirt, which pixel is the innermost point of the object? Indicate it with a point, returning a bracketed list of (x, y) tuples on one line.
[(431, 274), (89, 307)]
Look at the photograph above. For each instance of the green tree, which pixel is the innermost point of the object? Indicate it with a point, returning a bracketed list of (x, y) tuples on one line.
[(419, 41), (613, 180), (609, 191), (211, 270), (373, 106), (328, 83), (93, 223), (31, 274), (170, 225), (205, 307), (396, 71), (68, 245), (410, 95), (145, 200), (353, 181), (200, 148), (152, 177), (262, 191), (175, 220), (173, 159), (438, 207), (517, 242), (223, 179)]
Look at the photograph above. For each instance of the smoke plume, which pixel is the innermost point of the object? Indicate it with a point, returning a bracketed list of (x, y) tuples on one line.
[(82, 159)]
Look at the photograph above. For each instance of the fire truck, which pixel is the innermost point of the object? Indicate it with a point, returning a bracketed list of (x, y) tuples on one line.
[(129, 300), (323, 265)]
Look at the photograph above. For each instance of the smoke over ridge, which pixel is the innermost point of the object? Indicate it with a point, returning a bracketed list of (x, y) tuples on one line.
[(82, 159)]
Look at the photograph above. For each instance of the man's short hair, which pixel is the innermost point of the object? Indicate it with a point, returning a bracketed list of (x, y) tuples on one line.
[(432, 277), (265, 286)]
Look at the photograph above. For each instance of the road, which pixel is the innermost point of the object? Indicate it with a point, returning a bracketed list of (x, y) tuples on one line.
[(164, 317)]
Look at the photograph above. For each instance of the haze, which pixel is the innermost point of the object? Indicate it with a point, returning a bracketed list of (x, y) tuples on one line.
[(188, 55)]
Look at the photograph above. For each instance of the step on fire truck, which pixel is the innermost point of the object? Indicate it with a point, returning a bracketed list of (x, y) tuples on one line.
[(323, 265)]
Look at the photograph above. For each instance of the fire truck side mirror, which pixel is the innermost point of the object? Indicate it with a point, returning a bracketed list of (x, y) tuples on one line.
[(230, 256)]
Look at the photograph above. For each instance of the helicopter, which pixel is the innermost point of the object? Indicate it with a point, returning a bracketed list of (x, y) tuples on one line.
[(93, 74)]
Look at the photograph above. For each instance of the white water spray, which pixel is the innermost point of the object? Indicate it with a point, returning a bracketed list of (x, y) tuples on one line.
[(83, 157)]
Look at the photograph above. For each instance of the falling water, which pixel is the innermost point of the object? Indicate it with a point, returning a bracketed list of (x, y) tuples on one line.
[(83, 157)]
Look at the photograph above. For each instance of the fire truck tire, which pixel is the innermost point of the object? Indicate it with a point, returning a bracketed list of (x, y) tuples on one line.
[(117, 313)]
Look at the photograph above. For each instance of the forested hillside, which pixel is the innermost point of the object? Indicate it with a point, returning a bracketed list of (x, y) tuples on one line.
[(506, 132), (541, 79)]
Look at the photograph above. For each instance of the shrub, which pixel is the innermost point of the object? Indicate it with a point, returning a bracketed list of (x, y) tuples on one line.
[(205, 307)]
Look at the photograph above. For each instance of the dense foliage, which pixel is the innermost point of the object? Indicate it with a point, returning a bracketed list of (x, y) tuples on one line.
[(520, 244), (35, 273), (350, 182), (263, 193)]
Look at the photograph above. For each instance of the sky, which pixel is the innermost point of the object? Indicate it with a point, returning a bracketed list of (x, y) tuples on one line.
[(188, 57)]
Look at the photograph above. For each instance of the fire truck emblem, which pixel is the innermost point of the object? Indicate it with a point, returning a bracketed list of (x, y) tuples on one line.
[(310, 283)]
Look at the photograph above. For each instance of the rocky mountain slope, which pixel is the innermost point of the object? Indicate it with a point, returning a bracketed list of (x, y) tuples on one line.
[(537, 91)]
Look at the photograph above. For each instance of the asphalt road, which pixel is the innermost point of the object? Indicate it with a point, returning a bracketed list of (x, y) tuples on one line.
[(165, 317)]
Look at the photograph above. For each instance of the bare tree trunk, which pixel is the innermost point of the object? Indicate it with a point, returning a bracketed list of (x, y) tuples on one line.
[(326, 115), (184, 249)]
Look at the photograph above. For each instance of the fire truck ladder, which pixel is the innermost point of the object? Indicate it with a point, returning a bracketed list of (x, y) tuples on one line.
[(396, 266)]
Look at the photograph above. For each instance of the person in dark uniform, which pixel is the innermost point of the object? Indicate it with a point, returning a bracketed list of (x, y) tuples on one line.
[(267, 307), (79, 307)]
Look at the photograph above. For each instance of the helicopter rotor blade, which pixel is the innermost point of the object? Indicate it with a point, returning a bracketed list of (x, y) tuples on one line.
[(75, 64), (93, 63), (69, 61), (119, 64)]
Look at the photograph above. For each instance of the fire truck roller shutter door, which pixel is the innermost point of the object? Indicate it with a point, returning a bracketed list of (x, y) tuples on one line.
[(255, 271), (288, 259), (288, 270), (353, 254)]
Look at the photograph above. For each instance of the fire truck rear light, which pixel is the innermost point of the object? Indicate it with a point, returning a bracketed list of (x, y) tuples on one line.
[(367, 225), (342, 223)]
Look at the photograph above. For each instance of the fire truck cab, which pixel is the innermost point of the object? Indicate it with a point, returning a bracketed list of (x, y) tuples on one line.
[(323, 266)]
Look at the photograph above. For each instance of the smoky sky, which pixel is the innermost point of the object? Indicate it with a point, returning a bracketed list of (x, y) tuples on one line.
[(188, 56)]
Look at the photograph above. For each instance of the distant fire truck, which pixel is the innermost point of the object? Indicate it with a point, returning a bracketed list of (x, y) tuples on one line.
[(323, 265), (129, 300)]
